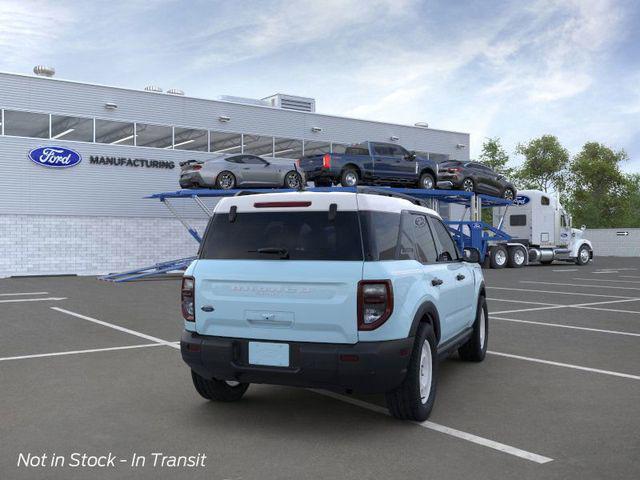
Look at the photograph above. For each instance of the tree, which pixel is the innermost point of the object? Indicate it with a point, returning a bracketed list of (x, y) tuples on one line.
[(600, 195), (545, 164), (494, 156)]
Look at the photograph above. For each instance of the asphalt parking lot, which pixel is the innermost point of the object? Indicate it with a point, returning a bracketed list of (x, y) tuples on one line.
[(89, 366)]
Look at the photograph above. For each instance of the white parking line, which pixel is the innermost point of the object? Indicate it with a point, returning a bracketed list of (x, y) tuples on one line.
[(635, 312), (567, 270), (48, 299), (629, 276), (577, 305), (118, 327), (533, 309), (520, 301), (566, 365), (469, 437), (573, 327), (76, 352), (581, 285), (559, 293), (605, 280), (27, 293)]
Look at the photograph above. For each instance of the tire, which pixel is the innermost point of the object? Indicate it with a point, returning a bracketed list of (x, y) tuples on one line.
[(293, 180), (468, 185), (517, 257), (225, 180), (427, 181), (499, 256), (476, 347), (218, 390), (508, 194), (349, 177), (410, 401), (584, 255), (546, 262)]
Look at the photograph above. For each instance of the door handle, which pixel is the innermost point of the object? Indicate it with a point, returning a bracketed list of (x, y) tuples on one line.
[(460, 277), (436, 282), (207, 308)]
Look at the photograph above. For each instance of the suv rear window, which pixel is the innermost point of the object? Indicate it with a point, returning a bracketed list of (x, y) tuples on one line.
[(278, 235)]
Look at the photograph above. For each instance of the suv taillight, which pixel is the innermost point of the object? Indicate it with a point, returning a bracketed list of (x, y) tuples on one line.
[(326, 160), (375, 303), (187, 299)]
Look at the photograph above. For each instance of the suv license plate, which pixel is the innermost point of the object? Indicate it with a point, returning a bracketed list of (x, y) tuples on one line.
[(271, 354)]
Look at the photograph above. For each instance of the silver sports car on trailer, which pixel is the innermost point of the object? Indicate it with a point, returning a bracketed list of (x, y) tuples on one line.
[(240, 170)]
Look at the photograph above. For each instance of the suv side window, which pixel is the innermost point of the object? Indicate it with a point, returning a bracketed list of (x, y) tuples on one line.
[(426, 251), (236, 159), (447, 250), (382, 150)]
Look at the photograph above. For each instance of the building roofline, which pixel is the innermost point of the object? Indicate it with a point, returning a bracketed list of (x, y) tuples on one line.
[(229, 102)]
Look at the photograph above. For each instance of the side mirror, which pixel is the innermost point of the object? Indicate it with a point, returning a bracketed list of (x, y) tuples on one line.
[(583, 228), (471, 255), (410, 156)]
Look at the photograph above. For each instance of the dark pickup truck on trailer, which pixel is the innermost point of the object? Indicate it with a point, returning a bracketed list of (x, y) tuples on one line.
[(370, 163)]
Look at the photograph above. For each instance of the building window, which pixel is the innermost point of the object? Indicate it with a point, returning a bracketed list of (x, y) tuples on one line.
[(71, 128), (26, 124), (225, 142), (115, 133), (157, 136), (257, 145), (316, 148), (287, 148), (190, 139)]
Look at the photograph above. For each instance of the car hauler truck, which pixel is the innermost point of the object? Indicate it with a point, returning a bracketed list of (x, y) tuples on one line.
[(540, 231)]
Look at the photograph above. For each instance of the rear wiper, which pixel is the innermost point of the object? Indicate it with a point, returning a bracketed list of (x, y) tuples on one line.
[(283, 252)]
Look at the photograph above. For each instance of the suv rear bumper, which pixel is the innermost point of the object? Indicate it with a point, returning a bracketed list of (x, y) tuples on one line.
[(365, 367)]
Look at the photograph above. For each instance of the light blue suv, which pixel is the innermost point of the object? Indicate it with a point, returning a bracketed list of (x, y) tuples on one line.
[(346, 291)]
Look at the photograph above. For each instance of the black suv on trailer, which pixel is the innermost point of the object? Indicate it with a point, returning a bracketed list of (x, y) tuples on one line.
[(474, 177)]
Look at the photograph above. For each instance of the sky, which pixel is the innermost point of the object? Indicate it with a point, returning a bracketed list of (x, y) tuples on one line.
[(509, 69)]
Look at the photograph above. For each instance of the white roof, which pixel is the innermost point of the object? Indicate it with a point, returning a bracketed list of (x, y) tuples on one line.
[(320, 201)]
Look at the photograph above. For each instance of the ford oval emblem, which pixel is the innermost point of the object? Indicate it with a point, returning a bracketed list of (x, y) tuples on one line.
[(55, 157), (521, 200)]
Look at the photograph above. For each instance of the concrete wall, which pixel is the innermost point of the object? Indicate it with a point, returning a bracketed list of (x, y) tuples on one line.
[(611, 242)]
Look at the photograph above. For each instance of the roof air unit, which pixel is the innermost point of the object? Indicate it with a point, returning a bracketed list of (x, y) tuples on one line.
[(175, 91), (291, 102), (43, 71), (153, 88)]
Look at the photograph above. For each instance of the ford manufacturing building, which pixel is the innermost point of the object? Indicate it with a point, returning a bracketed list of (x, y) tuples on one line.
[(91, 217)]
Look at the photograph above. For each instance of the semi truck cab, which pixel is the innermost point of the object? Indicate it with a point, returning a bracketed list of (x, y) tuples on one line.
[(539, 225)]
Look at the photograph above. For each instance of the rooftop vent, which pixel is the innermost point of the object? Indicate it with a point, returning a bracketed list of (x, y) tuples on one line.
[(153, 88), (175, 91), (43, 71), (291, 102)]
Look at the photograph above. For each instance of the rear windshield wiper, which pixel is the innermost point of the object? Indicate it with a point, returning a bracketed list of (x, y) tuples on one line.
[(283, 252)]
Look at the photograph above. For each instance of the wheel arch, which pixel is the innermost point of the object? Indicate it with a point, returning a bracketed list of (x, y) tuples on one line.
[(427, 313), (354, 166), (430, 171)]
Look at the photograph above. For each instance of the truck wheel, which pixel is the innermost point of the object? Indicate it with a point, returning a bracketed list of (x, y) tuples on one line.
[(414, 398), (584, 255), (517, 257), (349, 178), (476, 347), (225, 180), (219, 390), (426, 181), (499, 256)]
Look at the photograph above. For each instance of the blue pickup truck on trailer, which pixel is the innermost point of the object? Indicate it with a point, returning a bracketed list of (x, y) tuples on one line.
[(370, 163)]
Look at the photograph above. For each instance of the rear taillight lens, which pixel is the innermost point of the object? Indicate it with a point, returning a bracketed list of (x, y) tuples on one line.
[(196, 167), (455, 170), (187, 299), (326, 161), (375, 303), (298, 163)]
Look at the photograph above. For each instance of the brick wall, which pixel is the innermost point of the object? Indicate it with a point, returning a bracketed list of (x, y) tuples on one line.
[(608, 241), (46, 245)]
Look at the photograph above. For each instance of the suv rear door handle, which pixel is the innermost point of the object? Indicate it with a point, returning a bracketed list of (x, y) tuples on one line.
[(460, 277), (436, 282)]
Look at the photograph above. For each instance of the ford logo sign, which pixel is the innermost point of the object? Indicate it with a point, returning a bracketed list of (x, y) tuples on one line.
[(55, 157), (521, 200)]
